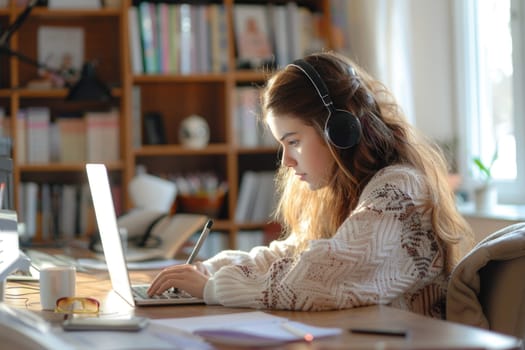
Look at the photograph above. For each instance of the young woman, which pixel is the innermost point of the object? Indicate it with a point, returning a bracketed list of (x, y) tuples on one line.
[(368, 214)]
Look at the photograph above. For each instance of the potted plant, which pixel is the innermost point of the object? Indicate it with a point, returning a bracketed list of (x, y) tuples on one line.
[(485, 194)]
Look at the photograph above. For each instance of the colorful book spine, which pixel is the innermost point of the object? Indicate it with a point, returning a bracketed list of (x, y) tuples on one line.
[(134, 41), (38, 138), (163, 31), (174, 37), (148, 20)]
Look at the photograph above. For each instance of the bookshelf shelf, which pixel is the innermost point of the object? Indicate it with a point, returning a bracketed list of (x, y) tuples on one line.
[(48, 93), (178, 78), (63, 167), (257, 150), (166, 150), (66, 13), (250, 76)]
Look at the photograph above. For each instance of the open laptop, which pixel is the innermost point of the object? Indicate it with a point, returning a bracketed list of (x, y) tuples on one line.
[(113, 251)]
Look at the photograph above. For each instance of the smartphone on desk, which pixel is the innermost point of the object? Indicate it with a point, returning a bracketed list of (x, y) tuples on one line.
[(133, 324)]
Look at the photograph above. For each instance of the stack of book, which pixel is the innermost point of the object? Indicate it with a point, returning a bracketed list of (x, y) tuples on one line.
[(256, 199), (168, 38), (92, 137)]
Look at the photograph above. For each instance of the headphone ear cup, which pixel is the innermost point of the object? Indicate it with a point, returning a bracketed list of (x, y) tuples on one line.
[(343, 129)]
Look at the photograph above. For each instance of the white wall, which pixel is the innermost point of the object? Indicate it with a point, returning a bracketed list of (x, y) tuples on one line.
[(430, 55), (433, 63)]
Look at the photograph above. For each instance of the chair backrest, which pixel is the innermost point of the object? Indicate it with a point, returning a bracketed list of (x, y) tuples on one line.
[(487, 287)]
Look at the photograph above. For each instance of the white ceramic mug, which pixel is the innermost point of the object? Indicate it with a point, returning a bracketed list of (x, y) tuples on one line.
[(56, 282)]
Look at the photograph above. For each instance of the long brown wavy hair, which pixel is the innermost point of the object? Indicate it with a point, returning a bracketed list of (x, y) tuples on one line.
[(387, 139)]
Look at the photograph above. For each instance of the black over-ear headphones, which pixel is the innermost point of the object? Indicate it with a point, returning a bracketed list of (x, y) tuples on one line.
[(342, 128)]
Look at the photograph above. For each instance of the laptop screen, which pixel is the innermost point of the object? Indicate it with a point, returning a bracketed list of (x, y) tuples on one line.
[(108, 229)]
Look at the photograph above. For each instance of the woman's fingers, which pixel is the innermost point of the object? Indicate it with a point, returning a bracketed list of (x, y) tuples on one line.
[(185, 277)]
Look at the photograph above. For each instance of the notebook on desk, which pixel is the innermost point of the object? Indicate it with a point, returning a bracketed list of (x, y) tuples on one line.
[(112, 246)]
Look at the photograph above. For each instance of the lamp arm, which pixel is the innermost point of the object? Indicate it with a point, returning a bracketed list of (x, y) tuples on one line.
[(4, 50), (4, 38)]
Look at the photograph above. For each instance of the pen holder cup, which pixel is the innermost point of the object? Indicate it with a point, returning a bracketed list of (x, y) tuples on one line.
[(209, 205)]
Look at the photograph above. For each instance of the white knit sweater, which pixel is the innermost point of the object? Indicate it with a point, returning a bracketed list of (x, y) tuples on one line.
[(384, 253)]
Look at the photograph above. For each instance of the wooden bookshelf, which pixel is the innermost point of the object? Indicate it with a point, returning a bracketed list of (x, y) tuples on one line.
[(174, 96)]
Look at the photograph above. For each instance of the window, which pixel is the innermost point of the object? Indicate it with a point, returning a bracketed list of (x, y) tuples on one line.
[(490, 38)]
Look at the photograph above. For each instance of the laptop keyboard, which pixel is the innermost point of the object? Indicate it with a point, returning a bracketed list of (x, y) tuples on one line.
[(142, 292)]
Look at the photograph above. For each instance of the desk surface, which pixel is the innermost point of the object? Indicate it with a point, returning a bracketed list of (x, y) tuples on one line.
[(424, 333)]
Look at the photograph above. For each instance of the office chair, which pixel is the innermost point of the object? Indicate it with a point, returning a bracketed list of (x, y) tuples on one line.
[(487, 287)]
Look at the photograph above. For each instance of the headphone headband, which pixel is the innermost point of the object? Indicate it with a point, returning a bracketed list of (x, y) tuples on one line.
[(342, 129), (311, 73)]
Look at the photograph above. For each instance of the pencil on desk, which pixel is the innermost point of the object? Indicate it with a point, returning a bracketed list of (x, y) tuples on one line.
[(298, 332), (377, 331)]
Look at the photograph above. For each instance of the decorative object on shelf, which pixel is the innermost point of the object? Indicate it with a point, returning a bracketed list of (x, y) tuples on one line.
[(485, 194), (194, 132), (63, 49), (154, 129), (201, 193)]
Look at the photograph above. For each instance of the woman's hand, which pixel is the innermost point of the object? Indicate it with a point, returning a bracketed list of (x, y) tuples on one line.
[(186, 277)]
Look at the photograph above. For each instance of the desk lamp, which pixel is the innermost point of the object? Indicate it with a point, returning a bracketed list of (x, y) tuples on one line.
[(87, 88)]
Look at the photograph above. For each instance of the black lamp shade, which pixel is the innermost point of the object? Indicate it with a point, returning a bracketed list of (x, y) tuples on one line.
[(89, 87)]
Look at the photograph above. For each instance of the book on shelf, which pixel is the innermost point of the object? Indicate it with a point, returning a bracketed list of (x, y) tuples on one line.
[(188, 46), (265, 198), (174, 37), (252, 35), (219, 38), (294, 31), (38, 134), (28, 199), (136, 116), (102, 136), (249, 131), (154, 132), (68, 215), (20, 145), (135, 46), (278, 27), (46, 218), (72, 136), (246, 197), (56, 211), (163, 30), (256, 199), (74, 4), (245, 116), (149, 36), (202, 35), (339, 12)]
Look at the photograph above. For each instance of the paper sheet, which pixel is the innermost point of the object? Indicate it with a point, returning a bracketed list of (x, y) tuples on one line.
[(247, 328)]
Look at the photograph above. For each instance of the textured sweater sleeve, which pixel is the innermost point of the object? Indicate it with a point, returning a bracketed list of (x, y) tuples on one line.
[(260, 257), (384, 249)]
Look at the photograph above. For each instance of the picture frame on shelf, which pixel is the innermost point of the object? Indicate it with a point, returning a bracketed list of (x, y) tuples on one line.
[(61, 48), (252, 36)]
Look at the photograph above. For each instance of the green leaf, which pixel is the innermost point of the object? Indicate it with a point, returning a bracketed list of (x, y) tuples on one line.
[(482, 167)]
